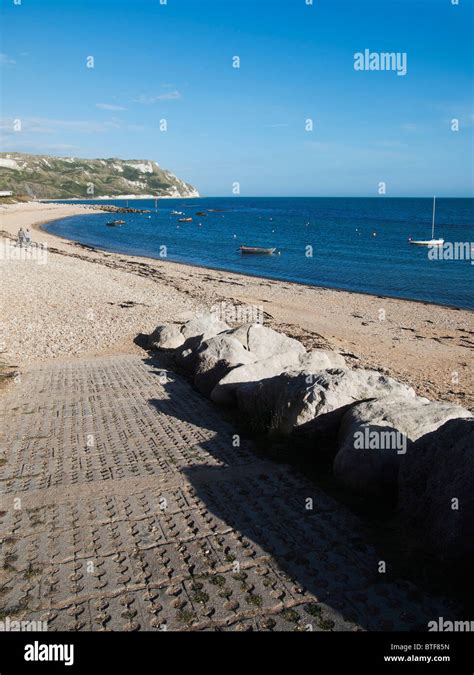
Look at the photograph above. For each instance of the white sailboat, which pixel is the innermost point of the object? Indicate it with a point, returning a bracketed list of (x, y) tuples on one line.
[(432, 241)]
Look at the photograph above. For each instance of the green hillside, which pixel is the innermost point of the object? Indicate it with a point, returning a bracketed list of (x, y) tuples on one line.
[(46, 177)]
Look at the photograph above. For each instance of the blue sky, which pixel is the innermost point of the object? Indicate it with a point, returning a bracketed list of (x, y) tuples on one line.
[(247, 125)]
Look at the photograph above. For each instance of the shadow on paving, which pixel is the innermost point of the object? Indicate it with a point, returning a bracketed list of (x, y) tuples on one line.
[(294, 542)]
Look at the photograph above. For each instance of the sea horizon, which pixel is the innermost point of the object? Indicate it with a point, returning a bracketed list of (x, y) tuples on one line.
[(217, 196)]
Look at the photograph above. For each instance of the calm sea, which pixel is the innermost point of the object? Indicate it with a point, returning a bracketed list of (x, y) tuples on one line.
[(347, 243)]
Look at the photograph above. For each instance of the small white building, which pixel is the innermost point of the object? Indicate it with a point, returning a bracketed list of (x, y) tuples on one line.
[(6, 193)]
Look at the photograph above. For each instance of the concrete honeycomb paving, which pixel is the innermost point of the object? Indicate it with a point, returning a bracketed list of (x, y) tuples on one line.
[(125, 506)]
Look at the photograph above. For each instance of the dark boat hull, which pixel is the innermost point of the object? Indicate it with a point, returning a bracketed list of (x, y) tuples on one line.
[(256, 250)]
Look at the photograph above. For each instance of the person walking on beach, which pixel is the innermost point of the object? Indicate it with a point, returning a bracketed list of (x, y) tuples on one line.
[(21, 237), (27, 238)]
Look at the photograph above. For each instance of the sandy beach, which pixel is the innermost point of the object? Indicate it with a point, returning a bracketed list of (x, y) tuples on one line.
[(88, 302)]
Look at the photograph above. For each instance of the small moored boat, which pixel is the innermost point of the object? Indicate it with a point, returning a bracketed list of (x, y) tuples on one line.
[(185, 220), (428, 242), (432, 241), (257, 250), (115, 223)]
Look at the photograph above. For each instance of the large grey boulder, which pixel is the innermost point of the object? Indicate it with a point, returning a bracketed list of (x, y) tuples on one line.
[(294, 361), (215, 358), (320, 359), (264, 342), (166, 337), (185, 356), (436, 493), (291, 399), (172, 336), (207, 325), (373, 436)]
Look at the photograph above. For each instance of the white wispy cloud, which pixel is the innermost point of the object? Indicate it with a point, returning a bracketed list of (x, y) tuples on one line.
[(410, 126), (109, 106), (6, 60), (148, 100), (169, 96), (28, 146), (44, 125)]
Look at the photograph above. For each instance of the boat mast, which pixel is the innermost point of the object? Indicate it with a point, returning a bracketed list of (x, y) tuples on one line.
[(433, 222)]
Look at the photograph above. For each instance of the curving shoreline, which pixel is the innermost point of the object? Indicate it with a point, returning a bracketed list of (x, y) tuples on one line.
[(428, 346), (43, 227)]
